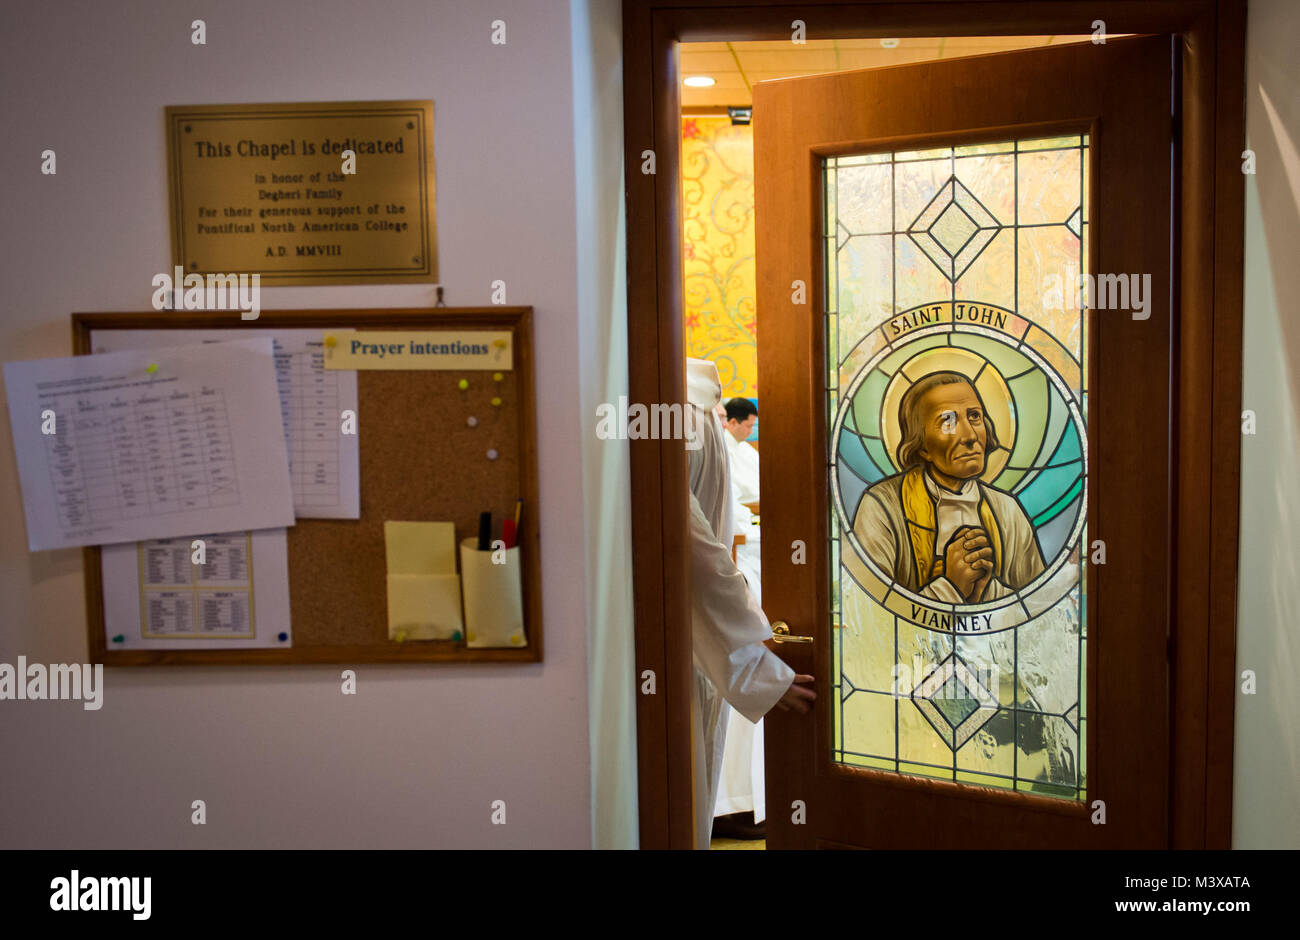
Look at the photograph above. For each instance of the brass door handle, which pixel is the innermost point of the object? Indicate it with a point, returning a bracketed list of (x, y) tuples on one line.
[(781, 634)]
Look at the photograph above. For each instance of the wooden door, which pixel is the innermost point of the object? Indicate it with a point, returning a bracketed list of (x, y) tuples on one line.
[(967, 480)]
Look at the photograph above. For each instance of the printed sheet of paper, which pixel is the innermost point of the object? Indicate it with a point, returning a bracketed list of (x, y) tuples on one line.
[(149, 444), (157, 597), (324, 464)]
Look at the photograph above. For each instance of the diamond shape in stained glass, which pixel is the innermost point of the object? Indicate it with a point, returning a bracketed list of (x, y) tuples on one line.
[(954, 703), (847, 688), (1072, 716), (1074, 221), (953, 229)]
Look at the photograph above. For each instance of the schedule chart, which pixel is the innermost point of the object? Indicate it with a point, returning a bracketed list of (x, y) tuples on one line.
[(179, 598), (324, 462), (141, 452), (136, 445), (309, 402)]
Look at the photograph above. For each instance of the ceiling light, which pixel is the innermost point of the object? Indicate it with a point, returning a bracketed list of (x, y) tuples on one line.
[(889, 43), (699, 81)]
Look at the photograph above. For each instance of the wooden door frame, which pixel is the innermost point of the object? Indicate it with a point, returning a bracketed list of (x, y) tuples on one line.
[(1209, 211)]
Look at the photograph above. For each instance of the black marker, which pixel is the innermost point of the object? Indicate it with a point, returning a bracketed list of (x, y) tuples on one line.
[(484, 531)]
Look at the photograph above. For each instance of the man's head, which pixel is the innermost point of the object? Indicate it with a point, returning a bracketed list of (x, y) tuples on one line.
[(741, 415), (944, 425)]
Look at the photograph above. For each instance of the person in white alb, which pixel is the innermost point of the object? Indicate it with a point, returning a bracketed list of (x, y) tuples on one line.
[(742, 416), (728, 626), (741, 807)]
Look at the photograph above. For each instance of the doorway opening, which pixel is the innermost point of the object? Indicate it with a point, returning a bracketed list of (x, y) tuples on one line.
[(1203, 387), (719, 298)]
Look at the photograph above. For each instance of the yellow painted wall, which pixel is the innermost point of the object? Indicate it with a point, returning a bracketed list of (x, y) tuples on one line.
[(718, 249)]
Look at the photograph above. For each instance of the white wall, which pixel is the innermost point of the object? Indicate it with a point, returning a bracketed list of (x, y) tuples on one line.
[(281, 757), (602, 305), (1266, 767)]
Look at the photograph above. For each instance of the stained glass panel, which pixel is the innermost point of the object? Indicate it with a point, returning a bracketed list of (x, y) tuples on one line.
[(956, 391)]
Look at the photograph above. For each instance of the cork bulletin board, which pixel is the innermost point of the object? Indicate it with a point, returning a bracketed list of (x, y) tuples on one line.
[(419, 461)]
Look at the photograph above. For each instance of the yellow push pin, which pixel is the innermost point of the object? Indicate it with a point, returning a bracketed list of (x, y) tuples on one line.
[(401, 636), (496, 402), (330, 343), (517, 639), (500, 344), (463, 384), (497, 376), (151, 368)]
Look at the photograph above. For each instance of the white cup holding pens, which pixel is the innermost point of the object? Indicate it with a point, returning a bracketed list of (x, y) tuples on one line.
[(492, 590)]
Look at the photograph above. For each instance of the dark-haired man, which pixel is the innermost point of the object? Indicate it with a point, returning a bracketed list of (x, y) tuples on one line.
[(741, 416)]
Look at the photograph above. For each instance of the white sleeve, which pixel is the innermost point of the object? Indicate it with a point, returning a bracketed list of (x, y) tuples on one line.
[(728, 628)]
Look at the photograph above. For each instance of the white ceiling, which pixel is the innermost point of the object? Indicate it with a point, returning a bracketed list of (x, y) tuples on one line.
[(738, 66)]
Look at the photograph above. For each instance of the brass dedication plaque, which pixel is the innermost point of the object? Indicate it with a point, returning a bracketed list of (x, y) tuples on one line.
[(265, 188)]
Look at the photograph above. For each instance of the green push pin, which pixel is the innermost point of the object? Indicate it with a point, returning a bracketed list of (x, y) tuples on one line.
[(456, 636), (119, 639)]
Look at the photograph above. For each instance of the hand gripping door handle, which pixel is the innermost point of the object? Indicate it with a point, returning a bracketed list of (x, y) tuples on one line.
[(781, 634)]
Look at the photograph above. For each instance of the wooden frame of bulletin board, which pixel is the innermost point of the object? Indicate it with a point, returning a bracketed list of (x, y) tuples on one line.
[(419, 461)]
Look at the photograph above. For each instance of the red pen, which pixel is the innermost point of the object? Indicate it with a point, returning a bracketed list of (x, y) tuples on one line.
[(508, 533)]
